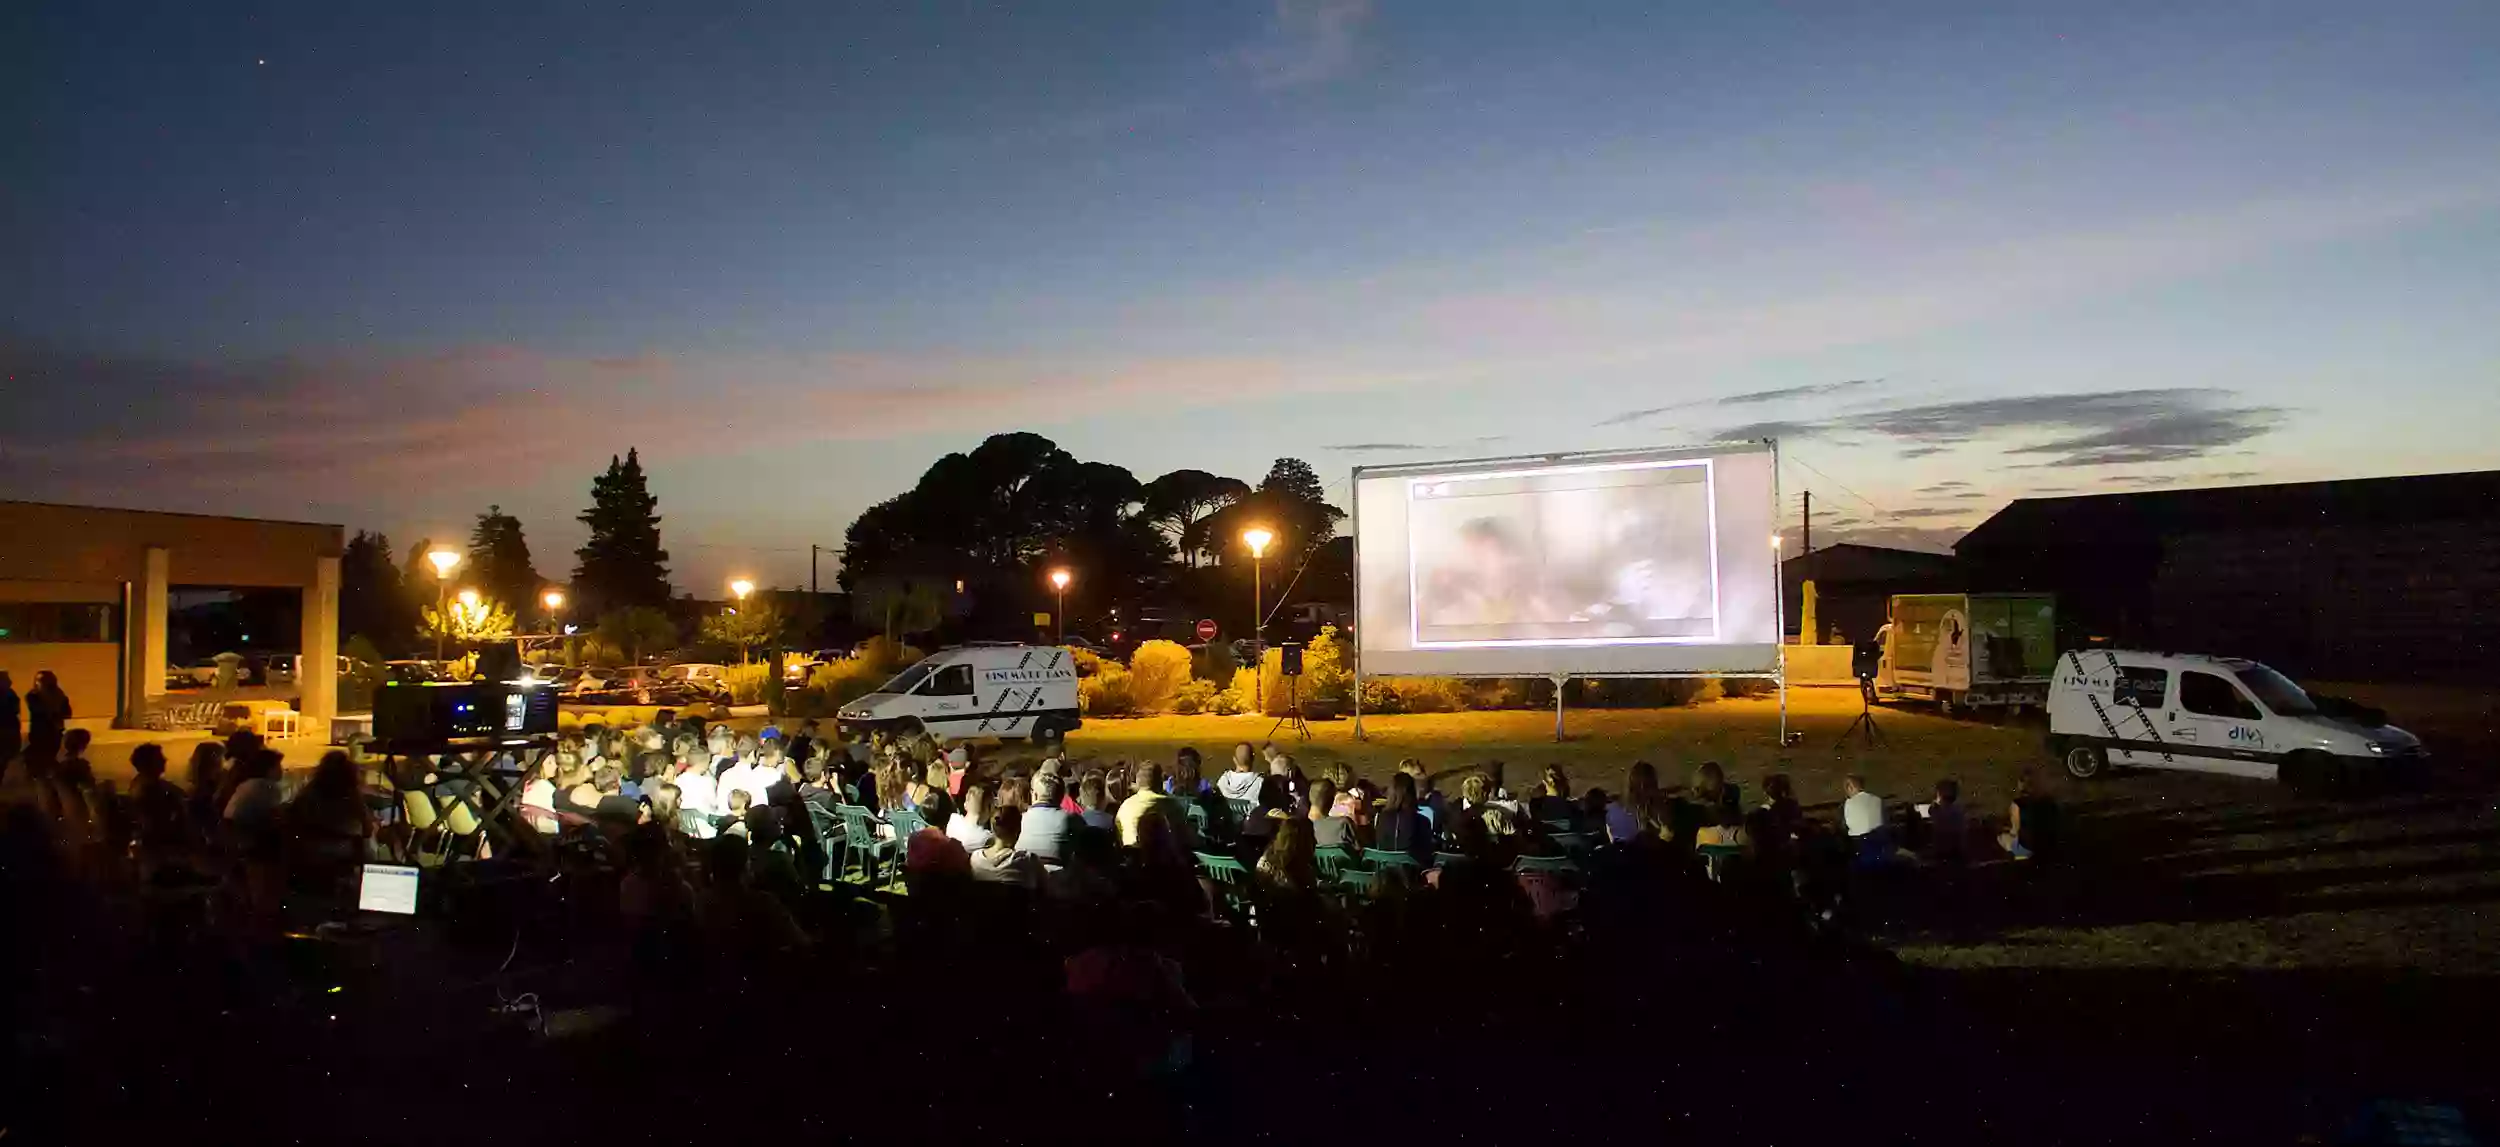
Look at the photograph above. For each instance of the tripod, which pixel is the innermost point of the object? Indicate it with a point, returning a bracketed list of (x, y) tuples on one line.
[(1293, 710), (1864, 725)]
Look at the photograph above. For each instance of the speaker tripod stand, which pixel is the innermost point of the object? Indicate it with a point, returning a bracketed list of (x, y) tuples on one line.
[(1864, 725), (1293, 710)]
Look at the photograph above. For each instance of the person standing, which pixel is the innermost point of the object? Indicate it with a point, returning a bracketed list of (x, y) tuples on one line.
[(12, 735), (47, 717)]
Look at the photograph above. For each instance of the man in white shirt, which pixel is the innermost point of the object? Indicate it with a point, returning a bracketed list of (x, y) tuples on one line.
[(1861, 812), (697, 792), (754, 778)]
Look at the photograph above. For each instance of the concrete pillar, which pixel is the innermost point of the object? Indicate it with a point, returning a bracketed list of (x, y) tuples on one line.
[(1807, 634), (151, 595), (143, 639), (318, 679)]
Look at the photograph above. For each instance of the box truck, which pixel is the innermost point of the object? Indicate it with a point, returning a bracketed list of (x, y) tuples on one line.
[(1968, 650)]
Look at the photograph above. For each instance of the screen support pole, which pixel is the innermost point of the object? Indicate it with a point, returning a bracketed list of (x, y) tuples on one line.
[(1560, 680), (1358, 694)]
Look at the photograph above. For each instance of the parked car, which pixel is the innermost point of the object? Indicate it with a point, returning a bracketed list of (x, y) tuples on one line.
[(2150, 710)]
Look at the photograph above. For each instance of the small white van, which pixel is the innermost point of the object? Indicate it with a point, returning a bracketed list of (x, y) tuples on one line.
[(976, 692), (2208, 714)]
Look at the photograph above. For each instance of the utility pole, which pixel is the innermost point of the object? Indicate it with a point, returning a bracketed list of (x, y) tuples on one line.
[(1805, 531), (811, 568)]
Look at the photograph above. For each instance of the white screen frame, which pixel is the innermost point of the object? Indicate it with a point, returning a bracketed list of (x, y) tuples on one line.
[(1768, 660)]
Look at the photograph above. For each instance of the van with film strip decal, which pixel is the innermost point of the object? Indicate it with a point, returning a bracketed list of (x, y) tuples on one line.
[(2115, 707), (976, 692)]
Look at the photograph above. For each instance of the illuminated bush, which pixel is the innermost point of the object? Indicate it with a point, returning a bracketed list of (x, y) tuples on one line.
[(1156, 672), (746, 682), (1108, 693), (1194, 697)]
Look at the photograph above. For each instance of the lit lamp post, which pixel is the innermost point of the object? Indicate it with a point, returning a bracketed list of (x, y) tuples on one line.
[(443, 560), (1059, 584), (1257, 538), (554, 601), (739, 588)]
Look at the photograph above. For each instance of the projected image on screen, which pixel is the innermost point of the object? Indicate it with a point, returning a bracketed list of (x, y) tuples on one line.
[(1598, 553)]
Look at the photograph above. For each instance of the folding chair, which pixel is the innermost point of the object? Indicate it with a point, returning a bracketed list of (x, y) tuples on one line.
[(860, 841), (1231, 877)]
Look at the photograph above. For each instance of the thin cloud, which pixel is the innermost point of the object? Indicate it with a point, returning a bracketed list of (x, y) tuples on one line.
[(1381, 447), (1969, 494), (1941, 487), (1313, 42), (2101, 428), (1749, 398), (1928, 512)]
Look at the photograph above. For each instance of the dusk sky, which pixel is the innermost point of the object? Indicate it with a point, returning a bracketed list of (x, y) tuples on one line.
[(383, 264)]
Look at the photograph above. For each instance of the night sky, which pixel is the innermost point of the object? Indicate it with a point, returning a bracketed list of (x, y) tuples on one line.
[(383, 263)]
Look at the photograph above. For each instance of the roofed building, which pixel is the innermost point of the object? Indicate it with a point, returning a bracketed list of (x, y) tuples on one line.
[(2372, 579)]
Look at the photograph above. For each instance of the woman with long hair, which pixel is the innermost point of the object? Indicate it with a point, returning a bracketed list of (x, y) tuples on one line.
[(327, 825), (1400, 825), (1289, 865), (1640, 810), (207, 777), (1553, 799)]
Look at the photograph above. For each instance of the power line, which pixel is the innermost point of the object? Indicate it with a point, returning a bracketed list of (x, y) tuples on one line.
[(1869, 503)]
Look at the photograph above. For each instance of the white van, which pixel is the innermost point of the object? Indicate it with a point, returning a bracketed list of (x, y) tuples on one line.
[(975, 692), (2208, 714)]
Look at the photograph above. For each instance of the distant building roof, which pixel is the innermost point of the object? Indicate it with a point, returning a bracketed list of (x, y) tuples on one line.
[(2152, 513), (1849, 561)]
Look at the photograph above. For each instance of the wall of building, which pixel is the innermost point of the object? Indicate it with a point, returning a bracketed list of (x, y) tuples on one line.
[(2395, 602), (90, 672), (86, 543)]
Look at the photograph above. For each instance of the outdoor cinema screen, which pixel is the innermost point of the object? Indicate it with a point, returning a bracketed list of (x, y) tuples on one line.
[(1625, 563)]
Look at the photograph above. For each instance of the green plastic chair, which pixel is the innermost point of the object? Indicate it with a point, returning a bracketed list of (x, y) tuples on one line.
[(1197, 819), (1527, 864), (1231, 877), (1716, 856), (1559, 826), (906, 821), (1385, 858), (1334, 860), (1451, 859), (1242, 812), (1576, 842), (860, 843)]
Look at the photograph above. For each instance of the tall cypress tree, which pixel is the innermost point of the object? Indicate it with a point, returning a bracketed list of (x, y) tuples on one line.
[(622, 564), (499, 562)]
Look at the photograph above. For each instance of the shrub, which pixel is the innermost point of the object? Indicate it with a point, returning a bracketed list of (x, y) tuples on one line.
[(1216, 663), (1430, 694), (746, 683), (1230, 702), (1746, 687), (834, 684), (1088, 662), (1108, 693), (1157, 671), (883, 656), (1194, 697)]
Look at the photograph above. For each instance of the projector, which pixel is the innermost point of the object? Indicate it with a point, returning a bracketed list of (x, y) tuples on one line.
[(437, 712)]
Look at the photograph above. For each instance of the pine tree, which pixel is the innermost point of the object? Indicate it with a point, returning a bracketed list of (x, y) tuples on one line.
[(499, 561), (373, 596), (622, 565), (1294, 480)]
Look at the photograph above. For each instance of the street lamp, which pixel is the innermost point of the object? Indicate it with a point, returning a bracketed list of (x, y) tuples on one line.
[(1257, 538), (1059, 582), (443, 560), (739, 588), (554, 601)]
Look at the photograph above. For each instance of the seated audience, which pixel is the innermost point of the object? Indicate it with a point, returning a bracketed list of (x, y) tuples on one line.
[(970, 827), (1093, 802), (2030, 821), (1947, 831), (1641, 810), (1288, 866), (328, 823), (1329, 829), (1046, 825), (1146, 795), (999, 861), (206, 778), (1241, 782), (1400, 825), (1553, 799), (738, 920), (1861, 812)]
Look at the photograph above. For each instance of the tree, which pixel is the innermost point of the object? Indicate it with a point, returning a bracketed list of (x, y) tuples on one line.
[(1294, 480), (373, 597), (1289, 503), (750, 627), (622, 565), (637, 628), (463, 624), (499, 559), (1176, 502), (900, 606)]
